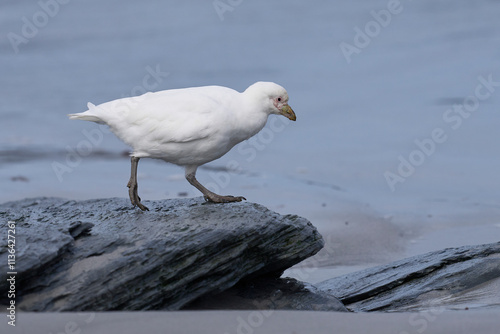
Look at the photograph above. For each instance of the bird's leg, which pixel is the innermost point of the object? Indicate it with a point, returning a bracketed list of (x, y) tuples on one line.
[(209, 196), (132, 185)]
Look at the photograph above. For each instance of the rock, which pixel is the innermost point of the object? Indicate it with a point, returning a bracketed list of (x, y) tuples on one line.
[(105, 255), (269, 293), (454, 278)]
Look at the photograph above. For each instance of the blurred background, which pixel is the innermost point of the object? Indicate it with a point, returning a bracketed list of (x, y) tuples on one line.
[(395, 150)]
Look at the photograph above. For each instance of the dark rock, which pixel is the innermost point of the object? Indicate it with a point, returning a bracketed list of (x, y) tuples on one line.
[(78, 229), (105, 255), (268, 293), (453, 278)]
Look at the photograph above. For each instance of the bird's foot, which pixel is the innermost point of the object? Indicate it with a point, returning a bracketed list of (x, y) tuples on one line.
[(214, 198), (134, 196)]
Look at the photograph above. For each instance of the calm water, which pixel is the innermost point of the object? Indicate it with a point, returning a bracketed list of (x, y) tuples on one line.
[(373, 88)]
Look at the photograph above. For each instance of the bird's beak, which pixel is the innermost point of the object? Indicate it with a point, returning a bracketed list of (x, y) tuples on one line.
[(288, 112)]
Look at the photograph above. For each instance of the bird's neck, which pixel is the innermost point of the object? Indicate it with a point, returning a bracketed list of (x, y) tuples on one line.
[(250, 119)]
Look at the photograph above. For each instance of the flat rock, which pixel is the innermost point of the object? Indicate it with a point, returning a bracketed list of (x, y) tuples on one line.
[(454, 278), (101, 255)]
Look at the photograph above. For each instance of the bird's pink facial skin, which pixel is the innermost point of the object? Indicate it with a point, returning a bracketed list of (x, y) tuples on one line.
[(284, 109)]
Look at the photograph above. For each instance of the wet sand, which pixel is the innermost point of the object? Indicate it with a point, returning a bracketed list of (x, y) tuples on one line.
[(249, 322)]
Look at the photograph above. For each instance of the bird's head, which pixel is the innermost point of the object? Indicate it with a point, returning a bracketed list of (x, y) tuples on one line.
[(275, 98)]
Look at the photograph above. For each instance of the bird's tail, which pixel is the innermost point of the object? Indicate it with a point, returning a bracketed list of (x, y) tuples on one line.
[(88, 115)]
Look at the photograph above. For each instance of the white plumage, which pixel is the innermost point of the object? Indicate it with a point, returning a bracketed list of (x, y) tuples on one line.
[(189, 127)]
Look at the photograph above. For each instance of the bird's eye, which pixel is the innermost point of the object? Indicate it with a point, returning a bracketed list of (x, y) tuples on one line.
[(279, 99)]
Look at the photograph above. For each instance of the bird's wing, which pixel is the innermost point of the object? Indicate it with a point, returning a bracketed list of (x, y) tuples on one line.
[(176, 116)]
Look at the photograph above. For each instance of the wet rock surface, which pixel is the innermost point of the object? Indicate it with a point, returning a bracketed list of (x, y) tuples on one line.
[(105, 255), (454, 278)]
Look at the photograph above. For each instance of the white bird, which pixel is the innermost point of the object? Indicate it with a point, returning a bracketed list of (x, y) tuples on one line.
[(189, 127)]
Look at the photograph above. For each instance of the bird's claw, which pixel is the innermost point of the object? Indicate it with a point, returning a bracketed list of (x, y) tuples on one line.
[(142, 207), (223, 199), (134, 197)]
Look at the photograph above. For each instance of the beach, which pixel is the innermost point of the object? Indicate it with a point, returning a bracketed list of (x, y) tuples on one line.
[(394, 152)]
